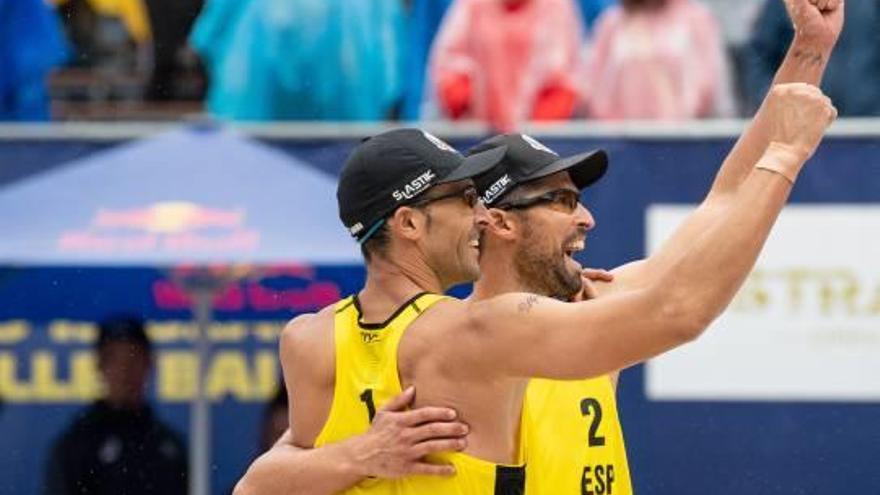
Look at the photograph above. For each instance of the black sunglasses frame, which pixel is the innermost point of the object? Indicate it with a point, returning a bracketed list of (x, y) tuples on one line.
[(468, 194), (552, 197)]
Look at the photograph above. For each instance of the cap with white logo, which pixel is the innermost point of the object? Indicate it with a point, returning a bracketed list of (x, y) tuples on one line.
[(394, 168), (527, 159)]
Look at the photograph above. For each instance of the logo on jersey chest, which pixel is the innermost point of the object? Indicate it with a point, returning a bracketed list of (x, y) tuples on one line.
[(370, 337)]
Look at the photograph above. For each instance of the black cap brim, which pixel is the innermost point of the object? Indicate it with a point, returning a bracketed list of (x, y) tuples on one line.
[(584, 168), (476, 164)]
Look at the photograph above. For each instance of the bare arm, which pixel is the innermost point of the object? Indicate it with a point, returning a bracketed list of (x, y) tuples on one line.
[(287, 469), (527, 335), (817, 31), (394, 447), (554, 339), (592, 278)]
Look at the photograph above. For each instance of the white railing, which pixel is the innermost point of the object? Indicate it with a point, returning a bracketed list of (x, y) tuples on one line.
[(334, 130)]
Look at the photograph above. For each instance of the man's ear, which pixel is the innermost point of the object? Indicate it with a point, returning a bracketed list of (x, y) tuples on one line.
[(502, 223), (409, 223)]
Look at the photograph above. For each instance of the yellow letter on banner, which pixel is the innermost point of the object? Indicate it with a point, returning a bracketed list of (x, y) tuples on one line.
[(47, 388), (233, 374), (176, 375), (228, 332), (796, 278), (228, 374), (10, 388), (84, 380), (839, 288), (266, 331), (64, 332), (13, 332)]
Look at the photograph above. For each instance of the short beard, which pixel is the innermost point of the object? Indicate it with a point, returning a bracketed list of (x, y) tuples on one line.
[(544, 273)]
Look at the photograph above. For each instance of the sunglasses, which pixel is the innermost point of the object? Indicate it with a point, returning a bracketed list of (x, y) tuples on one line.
[(564, 200), (468, 195)]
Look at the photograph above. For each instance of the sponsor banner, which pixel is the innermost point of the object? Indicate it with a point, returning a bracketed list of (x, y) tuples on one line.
[(804, 327), (65, 371)]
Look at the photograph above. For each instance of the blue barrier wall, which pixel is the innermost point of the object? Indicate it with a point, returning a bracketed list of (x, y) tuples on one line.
[(674, 447)]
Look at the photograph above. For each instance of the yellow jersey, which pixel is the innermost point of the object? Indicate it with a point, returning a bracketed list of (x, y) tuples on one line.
[(573, 440), (367, 377)]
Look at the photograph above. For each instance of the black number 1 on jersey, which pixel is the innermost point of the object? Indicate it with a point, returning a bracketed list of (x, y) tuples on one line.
[(367, 398)]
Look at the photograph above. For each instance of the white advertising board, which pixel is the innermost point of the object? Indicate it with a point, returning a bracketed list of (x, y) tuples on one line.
[(804, 327)]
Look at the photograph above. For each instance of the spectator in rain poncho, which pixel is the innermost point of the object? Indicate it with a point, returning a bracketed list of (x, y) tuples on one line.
[(423, 22), (506, 62), (656, 59), (31, 44), (301, 59), (852, 80)]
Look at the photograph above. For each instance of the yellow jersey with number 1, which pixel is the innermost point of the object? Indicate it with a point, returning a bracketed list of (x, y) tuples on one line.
[(573, 440), (367, 377)]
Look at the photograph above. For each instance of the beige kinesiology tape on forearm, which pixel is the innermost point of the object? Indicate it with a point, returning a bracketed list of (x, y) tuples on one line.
[(786, 167)]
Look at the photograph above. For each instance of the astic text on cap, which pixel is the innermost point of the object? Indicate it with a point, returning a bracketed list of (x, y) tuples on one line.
[(415, 186), (497, 187)]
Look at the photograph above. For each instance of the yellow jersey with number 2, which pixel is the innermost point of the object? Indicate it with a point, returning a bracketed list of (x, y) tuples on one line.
[(573, 440)]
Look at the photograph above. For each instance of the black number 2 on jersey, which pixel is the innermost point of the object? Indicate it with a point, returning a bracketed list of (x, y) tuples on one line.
[(592, 407)]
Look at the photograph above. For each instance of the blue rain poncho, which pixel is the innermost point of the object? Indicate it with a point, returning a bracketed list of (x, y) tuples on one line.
[(301, 59), (31, 44)]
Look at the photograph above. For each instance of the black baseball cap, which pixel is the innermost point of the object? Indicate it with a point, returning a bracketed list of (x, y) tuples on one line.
[(527, 159), (393, 168)]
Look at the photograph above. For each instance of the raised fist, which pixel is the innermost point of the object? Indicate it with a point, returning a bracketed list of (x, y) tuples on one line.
[(817, 22), (799, 114)]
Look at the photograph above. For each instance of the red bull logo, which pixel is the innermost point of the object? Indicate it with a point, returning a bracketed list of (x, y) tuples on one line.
[(170, 217), (292, 288), (168, 226)]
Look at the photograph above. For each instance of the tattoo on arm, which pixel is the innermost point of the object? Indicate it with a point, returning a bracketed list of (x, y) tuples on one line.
[(809, 57), (530, 301)]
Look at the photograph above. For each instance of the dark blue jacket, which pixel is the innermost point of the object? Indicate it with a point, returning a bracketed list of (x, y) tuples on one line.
[(852, 80)]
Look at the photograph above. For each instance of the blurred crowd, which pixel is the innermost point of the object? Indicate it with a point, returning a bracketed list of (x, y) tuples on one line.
[(504, 62)]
